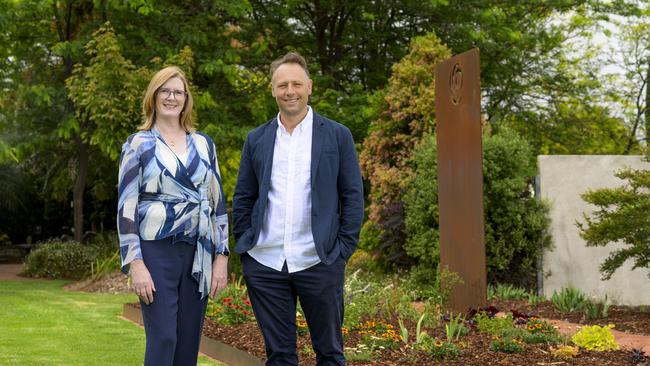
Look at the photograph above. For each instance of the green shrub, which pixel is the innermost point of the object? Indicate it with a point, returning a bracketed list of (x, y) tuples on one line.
[(515, 222), (621, 217), (534, 300), (595, 338), (569, 299), (506, 292), (596, 309), (361, 299), (55, 259), (232, 306), (105, 265), (378, 334), (493, 325), (506, 345), (540, 331), (437, 349)]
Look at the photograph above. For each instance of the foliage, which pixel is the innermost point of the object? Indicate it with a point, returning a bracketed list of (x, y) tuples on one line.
[(515, 222), (506, 345), (396, 300), (596, 309), (445, 283), (639, 357), (440, 350), (506, 292), (568, 299), (533, 299), (492, 325), (361, 299), (406, 114), (540, 331), (565, 351), (107, 93), (103, 266), (621, 216), (456, 328), (232, 306), (595, 338), (377, 334), (56, 259)]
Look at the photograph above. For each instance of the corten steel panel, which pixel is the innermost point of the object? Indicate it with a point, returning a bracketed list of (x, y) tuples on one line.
[(460, 177)]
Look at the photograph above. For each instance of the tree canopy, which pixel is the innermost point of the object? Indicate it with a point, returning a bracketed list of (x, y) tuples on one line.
[(72, 75)]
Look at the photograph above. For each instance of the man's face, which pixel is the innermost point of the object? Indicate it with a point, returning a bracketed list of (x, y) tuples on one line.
[(291, 88)]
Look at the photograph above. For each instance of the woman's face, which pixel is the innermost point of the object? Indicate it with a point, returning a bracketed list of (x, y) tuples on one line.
[(170, 99)]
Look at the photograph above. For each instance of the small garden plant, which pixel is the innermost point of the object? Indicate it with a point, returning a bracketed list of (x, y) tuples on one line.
[(232, 306), (569, 299), (595, 338)]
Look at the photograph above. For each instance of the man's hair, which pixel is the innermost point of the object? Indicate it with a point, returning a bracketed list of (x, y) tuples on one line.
[(289, 58)]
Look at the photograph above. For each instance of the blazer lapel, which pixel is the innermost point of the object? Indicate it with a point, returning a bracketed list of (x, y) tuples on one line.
[(268, 146), (317, 135)]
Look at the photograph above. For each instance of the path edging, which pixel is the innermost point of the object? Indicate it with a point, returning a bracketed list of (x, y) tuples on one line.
[(210, 347)]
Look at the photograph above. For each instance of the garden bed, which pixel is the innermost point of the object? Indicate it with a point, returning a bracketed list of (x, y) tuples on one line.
[(225, 341), (475, 349)]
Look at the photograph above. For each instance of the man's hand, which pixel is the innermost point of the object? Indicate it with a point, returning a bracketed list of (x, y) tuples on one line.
[(141, 281), (219, 275)]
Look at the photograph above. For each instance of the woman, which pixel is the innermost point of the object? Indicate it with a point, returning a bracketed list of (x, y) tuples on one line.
[(172, 221)]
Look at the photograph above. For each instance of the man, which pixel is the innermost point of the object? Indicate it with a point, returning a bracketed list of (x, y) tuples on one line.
[(298, 210)]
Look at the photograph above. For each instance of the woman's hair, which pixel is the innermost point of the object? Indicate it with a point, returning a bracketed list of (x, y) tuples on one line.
[(149, 101)]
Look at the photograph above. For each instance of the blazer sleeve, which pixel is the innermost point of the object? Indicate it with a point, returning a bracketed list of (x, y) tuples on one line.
[(350, 188), (128, 222), (246, 192)]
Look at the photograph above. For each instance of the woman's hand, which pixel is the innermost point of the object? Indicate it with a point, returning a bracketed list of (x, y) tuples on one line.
[(219, 275), (141, 281)]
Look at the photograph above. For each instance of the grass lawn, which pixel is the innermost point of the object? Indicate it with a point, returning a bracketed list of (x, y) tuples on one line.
[(41, 324)]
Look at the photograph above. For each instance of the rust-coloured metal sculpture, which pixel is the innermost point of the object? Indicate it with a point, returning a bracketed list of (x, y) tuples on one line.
[(460, 177)]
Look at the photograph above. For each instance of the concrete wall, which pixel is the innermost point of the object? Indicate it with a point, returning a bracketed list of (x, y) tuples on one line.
[(563, 178)]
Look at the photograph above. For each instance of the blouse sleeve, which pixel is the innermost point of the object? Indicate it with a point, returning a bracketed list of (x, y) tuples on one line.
[(127, 206), (219, 214)]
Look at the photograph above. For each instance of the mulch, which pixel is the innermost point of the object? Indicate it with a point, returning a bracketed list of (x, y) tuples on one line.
[(631, 319), (476, 350)]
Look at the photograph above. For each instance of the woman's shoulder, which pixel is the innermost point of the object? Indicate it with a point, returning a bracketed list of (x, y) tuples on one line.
[(139, 139), (201, 136)]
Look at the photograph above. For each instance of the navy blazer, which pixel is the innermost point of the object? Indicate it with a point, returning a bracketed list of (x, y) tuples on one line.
[(336, 188)]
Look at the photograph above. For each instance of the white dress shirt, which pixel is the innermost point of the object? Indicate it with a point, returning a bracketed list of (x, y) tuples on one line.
[(286, 227)]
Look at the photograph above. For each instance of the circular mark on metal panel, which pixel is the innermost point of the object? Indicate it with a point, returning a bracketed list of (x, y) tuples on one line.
[(456, 84)]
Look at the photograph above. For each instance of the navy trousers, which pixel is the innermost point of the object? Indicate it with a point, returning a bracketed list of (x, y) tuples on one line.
[(173, 321), (273, 295)]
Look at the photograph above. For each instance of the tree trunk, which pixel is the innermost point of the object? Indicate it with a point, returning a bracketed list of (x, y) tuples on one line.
[(79, 188), (646, 112)]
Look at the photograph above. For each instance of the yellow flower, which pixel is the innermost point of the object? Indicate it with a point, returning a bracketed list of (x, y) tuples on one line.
[(438, 344)]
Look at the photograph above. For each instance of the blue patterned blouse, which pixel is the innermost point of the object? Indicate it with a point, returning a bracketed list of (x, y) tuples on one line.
[(160, 196)]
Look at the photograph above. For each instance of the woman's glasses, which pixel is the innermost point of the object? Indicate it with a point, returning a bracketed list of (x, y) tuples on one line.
[(178, 94)]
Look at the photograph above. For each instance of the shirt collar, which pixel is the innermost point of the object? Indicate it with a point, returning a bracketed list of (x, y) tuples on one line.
[(302, 126)]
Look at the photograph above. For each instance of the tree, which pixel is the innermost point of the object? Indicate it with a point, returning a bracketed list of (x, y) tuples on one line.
[(621, 217), (407, 113)]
